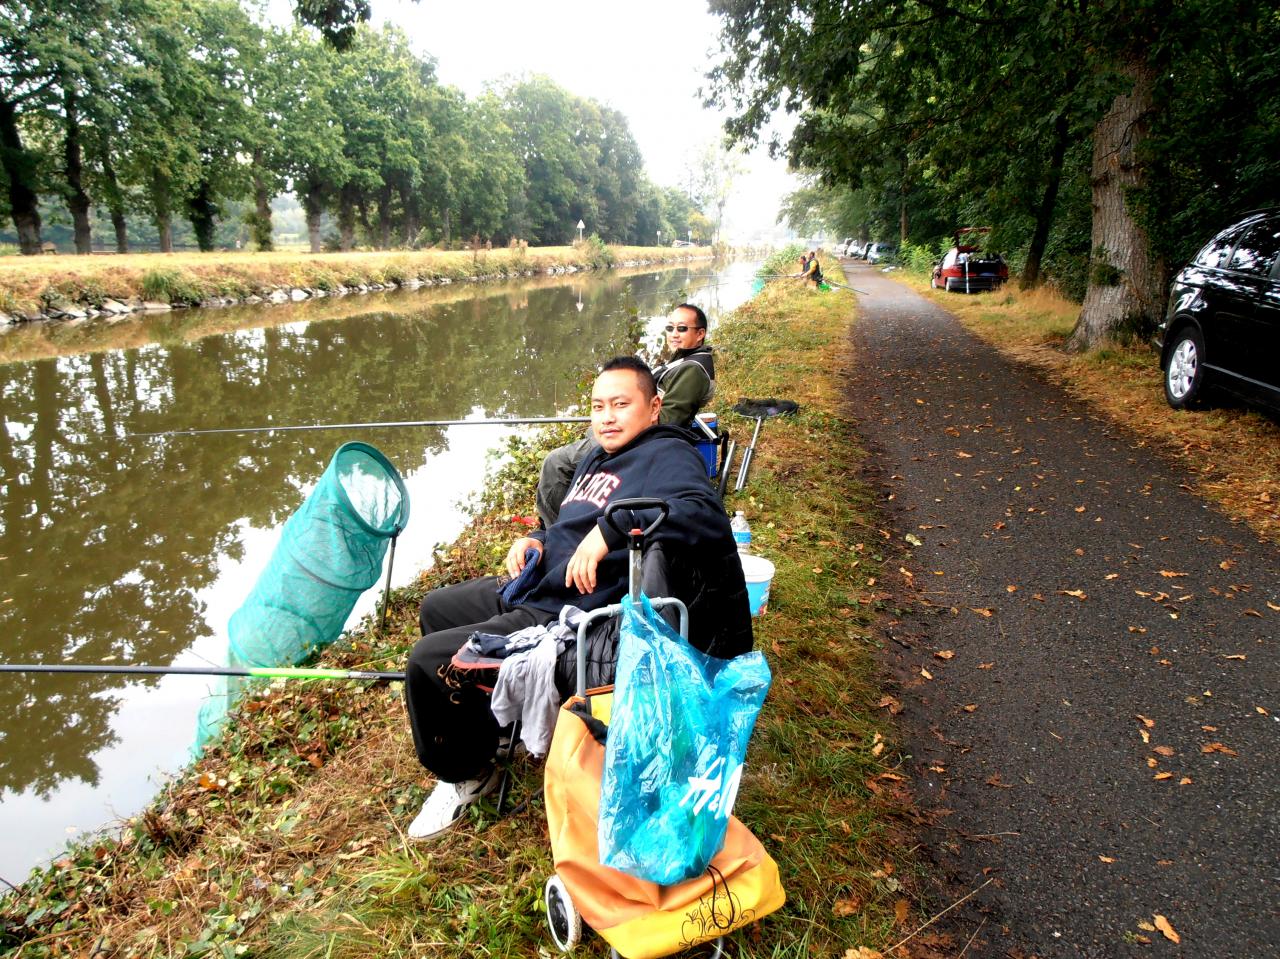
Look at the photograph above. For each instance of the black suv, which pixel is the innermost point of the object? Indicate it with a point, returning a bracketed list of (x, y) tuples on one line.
[(1223, 322)]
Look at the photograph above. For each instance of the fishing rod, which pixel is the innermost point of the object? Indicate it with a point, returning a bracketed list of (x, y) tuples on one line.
[(258, 672), (524, 421)]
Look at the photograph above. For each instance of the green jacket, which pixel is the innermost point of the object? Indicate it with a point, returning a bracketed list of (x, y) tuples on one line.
[(686, 384)]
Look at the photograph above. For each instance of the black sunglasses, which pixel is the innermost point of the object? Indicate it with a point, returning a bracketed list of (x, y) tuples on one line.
[(681, 328)]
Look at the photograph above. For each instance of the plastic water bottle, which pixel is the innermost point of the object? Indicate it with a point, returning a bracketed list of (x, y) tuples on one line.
[(741, 531)]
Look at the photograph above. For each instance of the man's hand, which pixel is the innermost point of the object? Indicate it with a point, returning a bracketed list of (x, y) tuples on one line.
[(515, 555), (581, 572)]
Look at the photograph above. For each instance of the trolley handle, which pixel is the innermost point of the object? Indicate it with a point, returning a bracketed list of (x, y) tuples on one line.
[(636, 503)]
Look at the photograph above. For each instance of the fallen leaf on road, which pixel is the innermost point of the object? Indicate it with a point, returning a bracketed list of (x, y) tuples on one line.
[(1163, 925), (913, 539), (1164, 750), (1112, 576), (1163, 775), (862, 952), (1146, 736), (944, 654), (1260, 710), (986, 613), (972, 707), (1240, 656), (1273, 607), (1218, 748), (1226, 564), (1170, 574), (925, 673), (893, 705), (845, 907), (1149, 723), (995, 781), (989, 665), (964, 456), (900, 910), (1011, 589), (1184, 781), (1146, 927), (1106, 859), (1079, 509), (1077, 593), (1137, 629), (1253, 612)]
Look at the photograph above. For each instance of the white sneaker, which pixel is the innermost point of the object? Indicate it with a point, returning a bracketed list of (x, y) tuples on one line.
[(448, 803)]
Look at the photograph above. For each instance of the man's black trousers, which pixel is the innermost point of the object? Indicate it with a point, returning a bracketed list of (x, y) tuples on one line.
[(454, 731)]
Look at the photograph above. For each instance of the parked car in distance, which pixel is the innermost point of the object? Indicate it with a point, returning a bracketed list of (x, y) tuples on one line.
[(1222, 326), (679, 243), (842, 248), (967, 268), (880, 252)]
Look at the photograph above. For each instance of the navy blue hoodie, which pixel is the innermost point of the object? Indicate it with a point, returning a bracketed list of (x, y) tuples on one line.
[(662, 463)]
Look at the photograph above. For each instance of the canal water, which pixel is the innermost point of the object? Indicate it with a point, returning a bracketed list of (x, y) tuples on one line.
[(121, 549)]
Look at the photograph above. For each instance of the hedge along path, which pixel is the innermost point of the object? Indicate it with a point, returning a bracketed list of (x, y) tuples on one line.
[(286, 840), (1233, 449)]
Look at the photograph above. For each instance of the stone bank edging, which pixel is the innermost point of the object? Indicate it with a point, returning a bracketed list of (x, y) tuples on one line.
[(120, 308)]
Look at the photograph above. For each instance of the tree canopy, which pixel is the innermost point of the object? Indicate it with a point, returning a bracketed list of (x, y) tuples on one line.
[(1104, 140), (173, 110)]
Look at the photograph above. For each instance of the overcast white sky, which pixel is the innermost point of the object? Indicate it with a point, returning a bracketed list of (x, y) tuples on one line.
[(644, 59)]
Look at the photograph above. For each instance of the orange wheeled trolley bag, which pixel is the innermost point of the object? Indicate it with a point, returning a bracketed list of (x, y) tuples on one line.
[(639, 919)]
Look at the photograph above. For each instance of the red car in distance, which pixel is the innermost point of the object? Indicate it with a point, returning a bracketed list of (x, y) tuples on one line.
[(967, 268)]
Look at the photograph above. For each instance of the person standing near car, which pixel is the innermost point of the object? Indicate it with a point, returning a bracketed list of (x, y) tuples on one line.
[(686, 383)]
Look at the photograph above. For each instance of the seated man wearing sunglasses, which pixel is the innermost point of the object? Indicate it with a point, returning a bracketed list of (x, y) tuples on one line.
[(686, 384)]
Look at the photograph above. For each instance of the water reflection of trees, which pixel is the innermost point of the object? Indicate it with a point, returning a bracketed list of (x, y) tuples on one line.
[(106, 541)]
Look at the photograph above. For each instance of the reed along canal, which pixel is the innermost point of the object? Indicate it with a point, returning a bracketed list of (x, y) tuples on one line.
[(117, 549)]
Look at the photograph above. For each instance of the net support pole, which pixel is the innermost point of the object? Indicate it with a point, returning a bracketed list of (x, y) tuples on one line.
[(386, 590)]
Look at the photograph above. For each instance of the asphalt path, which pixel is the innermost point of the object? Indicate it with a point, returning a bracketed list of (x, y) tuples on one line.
[(1086, 661)]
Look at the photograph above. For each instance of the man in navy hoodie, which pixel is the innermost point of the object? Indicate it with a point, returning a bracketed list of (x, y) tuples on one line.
[(581, 560)]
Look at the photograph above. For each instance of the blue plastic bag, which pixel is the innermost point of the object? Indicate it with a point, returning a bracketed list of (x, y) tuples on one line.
[(678, 735)]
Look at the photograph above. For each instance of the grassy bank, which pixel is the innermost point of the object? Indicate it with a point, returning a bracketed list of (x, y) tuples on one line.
[(41, 286), (38, 341), (285, 840), (1233, 450)]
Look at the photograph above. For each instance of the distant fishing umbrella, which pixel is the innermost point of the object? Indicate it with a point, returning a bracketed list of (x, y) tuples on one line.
[(331, 550)]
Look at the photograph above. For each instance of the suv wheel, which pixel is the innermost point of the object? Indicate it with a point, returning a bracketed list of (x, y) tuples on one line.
[(1184, 373)]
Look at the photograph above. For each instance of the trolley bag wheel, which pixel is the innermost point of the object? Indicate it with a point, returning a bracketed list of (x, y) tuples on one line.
[(562, 915)]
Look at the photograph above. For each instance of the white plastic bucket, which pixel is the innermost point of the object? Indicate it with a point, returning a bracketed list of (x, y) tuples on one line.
[(758, 573)]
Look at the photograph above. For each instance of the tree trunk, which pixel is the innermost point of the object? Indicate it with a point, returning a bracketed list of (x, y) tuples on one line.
[(1048, 202), (203, 212), (115, 199), (122, 230), (384, 217), (1125, 291), (313, 203), (262, 208), (162, 210), (19, 168), (346, 219), (77, 199), (410, 204)]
